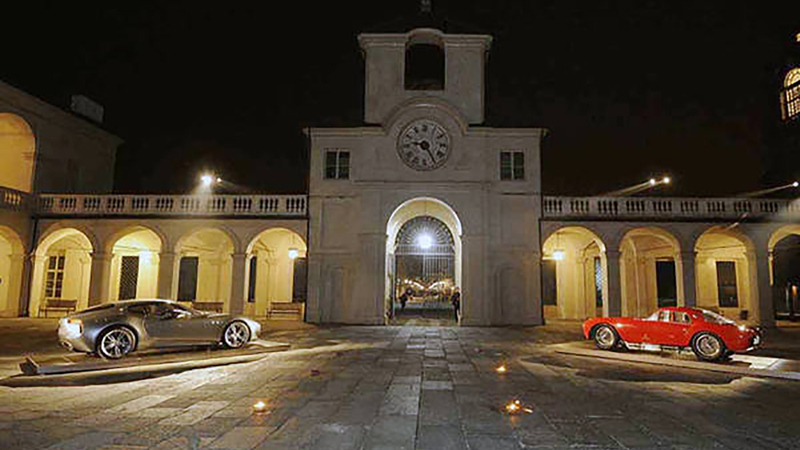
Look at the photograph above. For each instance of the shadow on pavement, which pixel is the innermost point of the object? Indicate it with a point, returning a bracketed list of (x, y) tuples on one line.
[(630, 372), (82, 370)]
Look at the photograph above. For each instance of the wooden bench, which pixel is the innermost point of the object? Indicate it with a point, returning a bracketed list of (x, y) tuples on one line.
[(59, 305), (208, 306), (286, 310)]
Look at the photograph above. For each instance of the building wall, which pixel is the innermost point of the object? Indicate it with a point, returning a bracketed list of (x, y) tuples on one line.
[(71, 154)]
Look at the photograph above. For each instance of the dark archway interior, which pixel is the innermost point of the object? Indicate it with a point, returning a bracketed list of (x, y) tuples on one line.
[(786, 278)]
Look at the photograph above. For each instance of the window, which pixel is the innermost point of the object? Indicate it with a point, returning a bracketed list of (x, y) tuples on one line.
[(512, 166), (187, 279), (726, 284), (549, 282), (598, 282), (791, 95), (128, 277), (251, 283), (337, 165), (424, 67), (55, 276)]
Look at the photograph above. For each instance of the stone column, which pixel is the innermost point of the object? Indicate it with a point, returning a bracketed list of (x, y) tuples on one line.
[(166, 275), (14, 285), (100, 278), (687, 290), (473, 294), (763, 309), (237, 282), (613, 302)]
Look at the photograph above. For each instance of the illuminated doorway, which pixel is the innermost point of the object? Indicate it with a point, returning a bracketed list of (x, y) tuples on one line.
[(423, 263)]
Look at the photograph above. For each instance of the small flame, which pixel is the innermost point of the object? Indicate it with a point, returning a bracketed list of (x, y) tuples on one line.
[(501, 369)]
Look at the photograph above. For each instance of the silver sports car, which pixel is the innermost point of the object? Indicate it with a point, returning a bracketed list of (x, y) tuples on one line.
[(113, 330)]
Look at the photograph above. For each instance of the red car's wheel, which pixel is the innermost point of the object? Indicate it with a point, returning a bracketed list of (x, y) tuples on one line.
[(605, 337), (708, 347)]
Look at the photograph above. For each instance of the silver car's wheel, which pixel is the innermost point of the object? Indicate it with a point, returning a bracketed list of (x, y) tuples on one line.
[(708, 347), (116, 343), (605, 337), (236, 334)]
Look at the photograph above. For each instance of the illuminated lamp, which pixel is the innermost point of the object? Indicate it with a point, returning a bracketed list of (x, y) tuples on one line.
[(558, 255), (207, 179), (652, 181), (293, 253), (795, 184), (424, 241), (666, 180)]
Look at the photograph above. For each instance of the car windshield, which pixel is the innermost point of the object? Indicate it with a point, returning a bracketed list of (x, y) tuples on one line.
[(713, 317), (187, 309)]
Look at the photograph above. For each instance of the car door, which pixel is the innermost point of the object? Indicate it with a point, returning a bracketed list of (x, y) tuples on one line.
[(162, 325), (197, 327), (657, 331)]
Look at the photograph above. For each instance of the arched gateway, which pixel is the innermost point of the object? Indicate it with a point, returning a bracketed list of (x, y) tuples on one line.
[(423, 261)]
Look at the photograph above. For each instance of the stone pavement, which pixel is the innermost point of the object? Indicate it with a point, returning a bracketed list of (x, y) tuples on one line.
[(411, 388)]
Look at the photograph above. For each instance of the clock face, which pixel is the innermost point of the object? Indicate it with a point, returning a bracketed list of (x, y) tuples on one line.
[(424, 145)]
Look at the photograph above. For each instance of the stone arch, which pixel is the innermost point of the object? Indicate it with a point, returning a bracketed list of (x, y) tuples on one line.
[(62, 267), (725, 270), (12, 259), (784, 271), (575, 273), (275, 269), (205, 265), (424, 60), (650, 270), (406, 211), (17, 153), (135, 258)]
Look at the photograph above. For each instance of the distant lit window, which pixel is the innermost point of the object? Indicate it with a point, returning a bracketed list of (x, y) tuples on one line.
[(337, 165), (791, 95), (512, 166), (55, 277), (726, 284)]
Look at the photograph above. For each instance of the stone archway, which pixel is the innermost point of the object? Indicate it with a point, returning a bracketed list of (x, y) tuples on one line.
[(18, 153), (574, 274), (134, 263), (784, 251), (650, 268), (12, 258), (425, 233), (62, 269), (205, 267), (725, 268), (276, 270)]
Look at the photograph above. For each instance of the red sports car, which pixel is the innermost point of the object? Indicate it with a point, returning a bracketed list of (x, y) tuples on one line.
[(711, 336)]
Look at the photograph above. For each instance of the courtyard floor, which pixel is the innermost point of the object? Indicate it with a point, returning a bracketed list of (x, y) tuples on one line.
[(405, 388)]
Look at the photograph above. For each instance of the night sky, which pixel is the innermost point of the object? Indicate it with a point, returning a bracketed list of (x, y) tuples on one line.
[(628, 89)]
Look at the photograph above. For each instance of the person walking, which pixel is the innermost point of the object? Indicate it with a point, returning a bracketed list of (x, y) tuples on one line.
[(455, 300), (404, 299)]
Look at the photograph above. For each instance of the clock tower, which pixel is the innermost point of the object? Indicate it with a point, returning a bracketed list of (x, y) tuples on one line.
[(422, 197)]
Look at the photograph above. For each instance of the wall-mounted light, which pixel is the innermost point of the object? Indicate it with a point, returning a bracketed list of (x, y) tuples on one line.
[(294, 253), (558, 255)]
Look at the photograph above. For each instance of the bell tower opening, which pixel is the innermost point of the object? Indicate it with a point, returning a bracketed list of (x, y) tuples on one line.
[(424, 67)]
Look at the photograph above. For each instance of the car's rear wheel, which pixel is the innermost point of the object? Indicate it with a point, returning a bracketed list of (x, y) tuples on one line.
[(605, 337), (116, 342), (708, 347), (236, 335)]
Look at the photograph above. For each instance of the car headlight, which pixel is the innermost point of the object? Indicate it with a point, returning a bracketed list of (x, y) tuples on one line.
[(72, 327)]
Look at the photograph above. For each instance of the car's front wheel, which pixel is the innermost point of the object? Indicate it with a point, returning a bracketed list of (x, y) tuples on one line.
[(605, 337), (708, 347), (116, 342), (236, 335)]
